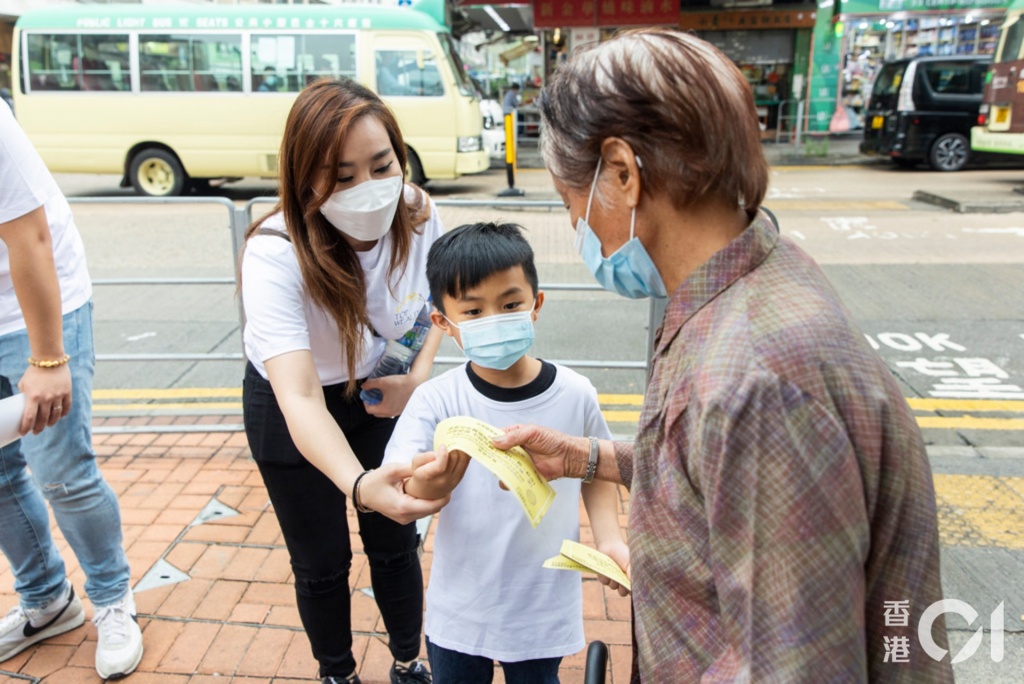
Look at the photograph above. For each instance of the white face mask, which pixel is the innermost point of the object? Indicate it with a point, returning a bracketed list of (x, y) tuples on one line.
[(366, 211)]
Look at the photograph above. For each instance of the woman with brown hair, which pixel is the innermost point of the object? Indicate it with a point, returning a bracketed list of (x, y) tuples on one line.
[(337, 268)]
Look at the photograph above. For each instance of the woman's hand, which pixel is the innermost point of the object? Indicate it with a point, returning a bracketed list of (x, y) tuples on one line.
[(47, 397), (381, 491), (555, 454), (396, 390), (436, 474), (618, 551)]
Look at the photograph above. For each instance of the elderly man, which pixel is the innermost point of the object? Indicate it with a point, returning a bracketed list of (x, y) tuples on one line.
[(781, 497)]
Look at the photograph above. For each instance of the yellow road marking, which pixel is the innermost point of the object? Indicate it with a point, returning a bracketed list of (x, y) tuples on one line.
[(971, 423), (919, 404), (621, 416), (181, 393), (965, 405), (980, 510), (623, 399), (205, 405), (613, 416)]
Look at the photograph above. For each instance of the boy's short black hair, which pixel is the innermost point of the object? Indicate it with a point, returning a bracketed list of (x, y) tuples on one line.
[(462, 258)]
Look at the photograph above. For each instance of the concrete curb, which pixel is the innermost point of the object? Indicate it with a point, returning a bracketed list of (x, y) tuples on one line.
[(836, 160), (969, 207)]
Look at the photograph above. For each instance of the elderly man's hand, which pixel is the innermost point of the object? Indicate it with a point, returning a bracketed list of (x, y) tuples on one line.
[(555, 454)]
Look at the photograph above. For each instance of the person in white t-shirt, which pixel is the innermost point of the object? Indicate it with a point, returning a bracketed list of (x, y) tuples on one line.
[(46, 353), (337, 268), (490, 598)]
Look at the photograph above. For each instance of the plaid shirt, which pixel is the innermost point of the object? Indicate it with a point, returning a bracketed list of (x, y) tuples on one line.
[(780, 490)]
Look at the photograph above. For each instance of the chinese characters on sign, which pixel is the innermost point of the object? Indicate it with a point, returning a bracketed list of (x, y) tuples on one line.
[(732, 21), (571, 13)]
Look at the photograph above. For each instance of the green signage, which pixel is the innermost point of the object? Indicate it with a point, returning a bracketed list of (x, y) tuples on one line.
[(426, 15), (888, 6)]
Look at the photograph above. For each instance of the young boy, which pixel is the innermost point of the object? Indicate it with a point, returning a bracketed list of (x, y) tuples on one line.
[(489, 597)]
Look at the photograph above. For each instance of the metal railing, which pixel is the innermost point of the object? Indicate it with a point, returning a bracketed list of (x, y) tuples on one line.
[(561, 287), (794, 115), (239, 219)]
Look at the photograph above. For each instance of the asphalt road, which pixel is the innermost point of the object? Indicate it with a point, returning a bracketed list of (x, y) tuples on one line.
[(938, 294)]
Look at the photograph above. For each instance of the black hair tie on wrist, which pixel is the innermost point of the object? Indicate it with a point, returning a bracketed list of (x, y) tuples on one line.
[(355, 493)]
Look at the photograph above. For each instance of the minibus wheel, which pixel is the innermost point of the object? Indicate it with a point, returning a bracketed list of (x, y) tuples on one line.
[(158, 173), (414, 174)]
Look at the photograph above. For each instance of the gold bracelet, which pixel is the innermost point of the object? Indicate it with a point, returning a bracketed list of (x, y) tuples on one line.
[(49, 364)]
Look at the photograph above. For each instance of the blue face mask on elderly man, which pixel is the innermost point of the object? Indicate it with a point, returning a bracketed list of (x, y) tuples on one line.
[(629, 271)]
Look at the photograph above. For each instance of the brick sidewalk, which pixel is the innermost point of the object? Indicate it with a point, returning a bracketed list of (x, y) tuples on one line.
[(234, 621)]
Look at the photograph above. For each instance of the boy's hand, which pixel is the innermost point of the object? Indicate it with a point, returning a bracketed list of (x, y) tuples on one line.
[(396, 390), (436, 474), (619, 552), (381, 491)]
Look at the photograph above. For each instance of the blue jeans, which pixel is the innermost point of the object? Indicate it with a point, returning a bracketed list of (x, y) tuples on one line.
[(452, 667), (63, 472)]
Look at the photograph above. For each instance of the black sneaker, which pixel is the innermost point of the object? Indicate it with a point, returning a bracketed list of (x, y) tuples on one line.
[(416, 673)]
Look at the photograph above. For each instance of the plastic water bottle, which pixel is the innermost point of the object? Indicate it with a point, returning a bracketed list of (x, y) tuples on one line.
[(399, 355)]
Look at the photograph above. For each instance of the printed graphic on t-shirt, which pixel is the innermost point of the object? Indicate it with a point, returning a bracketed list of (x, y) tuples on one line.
[(409, 309)]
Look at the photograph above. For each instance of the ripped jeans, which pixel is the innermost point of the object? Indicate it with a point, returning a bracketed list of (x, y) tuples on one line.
[(312, 515), (64, 473)]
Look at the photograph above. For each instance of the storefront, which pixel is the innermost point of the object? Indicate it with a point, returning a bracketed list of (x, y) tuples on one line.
[(853, 41), (567, 24), (771, 48)]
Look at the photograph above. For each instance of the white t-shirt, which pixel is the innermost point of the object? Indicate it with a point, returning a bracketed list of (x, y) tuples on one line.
[(26, 185), (281, 318), (489, 594)]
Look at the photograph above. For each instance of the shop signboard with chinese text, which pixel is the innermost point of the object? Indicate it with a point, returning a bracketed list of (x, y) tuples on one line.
[(566, 13), (738, 21)]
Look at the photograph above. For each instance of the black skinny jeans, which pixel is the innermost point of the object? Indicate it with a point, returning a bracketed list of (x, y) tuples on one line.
[(311, 511)]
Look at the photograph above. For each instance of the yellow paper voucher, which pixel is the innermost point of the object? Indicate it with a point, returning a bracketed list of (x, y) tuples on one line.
[(576, 556), (560, 562), (514, 467)]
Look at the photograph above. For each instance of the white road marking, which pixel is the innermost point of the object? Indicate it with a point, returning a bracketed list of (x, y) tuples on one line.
[(136, 338), (1005, 231)]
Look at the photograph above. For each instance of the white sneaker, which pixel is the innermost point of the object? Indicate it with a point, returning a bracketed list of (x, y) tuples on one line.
[(119, 648), (22, 627)]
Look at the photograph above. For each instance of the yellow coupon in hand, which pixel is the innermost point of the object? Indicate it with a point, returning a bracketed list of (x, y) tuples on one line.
[(576, 556), (513, 467)]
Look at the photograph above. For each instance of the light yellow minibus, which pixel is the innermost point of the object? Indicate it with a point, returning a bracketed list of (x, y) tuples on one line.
[(171, 97)]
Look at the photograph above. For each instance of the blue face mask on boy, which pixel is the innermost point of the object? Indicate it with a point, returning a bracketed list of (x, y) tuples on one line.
[(629, 271), (497, 341)]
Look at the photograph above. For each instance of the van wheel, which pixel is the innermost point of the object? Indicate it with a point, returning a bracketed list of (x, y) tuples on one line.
[(414, 174), (950, 152), (157, 173)]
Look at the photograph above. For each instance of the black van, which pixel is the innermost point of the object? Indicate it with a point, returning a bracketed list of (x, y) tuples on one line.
[(923, 108)]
